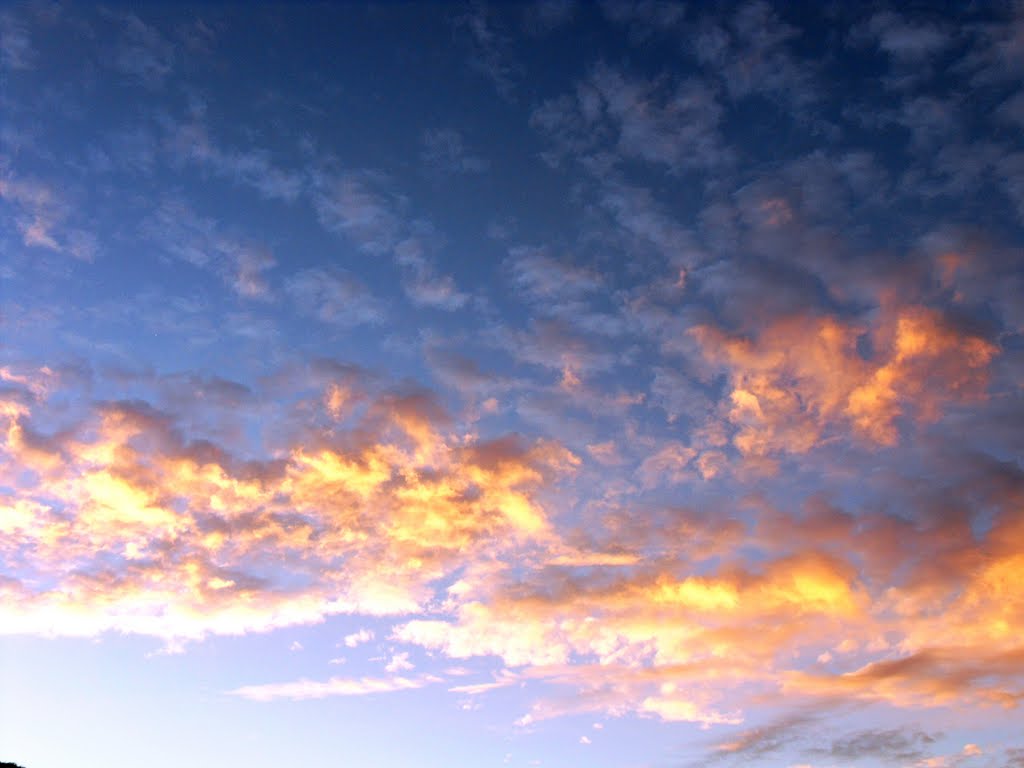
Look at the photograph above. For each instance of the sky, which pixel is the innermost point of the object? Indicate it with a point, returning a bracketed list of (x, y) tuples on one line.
[(621, 384)]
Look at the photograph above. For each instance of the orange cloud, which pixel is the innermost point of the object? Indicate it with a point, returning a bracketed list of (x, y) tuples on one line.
[(121, 524), (118, 521), (803, 375)]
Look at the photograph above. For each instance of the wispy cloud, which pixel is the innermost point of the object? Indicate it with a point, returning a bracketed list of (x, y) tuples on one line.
[(335, 686)]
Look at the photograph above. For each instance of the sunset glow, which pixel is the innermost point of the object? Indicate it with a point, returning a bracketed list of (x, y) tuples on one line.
[(555, 384)]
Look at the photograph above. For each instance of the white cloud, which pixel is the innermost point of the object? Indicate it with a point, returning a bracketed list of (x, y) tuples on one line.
[(335, 686), (358, 638), (399, 663), (334, 296)]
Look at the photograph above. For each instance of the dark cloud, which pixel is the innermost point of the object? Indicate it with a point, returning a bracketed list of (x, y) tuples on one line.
[(893, 745)]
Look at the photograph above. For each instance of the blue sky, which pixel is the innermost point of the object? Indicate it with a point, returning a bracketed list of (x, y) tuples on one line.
[(613, 384)]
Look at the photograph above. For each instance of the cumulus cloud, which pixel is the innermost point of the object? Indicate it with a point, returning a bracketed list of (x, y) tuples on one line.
[(358, 638), (801, 374), (135, 527), (724, 434)]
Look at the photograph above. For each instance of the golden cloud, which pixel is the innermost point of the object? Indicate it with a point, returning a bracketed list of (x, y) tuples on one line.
[(802, 375)]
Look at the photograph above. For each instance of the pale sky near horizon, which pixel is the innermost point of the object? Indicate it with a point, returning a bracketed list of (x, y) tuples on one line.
[(565, 384)]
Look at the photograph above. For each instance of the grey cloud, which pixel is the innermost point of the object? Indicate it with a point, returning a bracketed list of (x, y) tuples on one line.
[(751, 54), (764, 740), (16, 49), (895, 744), (145, 54), (490, 48), (201, 242), (460, 371), (674, 125), (361, 207), (445, 151), (645, 222), (335, 297), (1014, 758), (997, 51), (1011, 173), (1012, 110), (427, 289), (678, 395), (556, 343), (353, 205), (41, 216), (911, 45), (930, 120), (573, 294), (247, 277), (677, 128), (421, 282), (184, 389), (191, 142), (542, 278), (129, 149), (903, 39), (546, 15), (645, 17)]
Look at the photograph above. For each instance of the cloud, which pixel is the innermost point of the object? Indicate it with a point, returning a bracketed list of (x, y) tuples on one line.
[(444, 150), (144, 54), (894, 745), (644, 17), (903, 39), (139, 529), (996, 53), (335, 686), (361, 207), (203, 243), (190, 142), (801, 375), (399, 663), (353, 205), (646, 223), (16, 49), (756, 743), (929, 677), (750, 52), (804, 734), (546, 15), (792, 393), (668, 465), (543, 279), (672, 125), (40, 216), (375, 503), (490, 48), (461, 372), (335, 297), (425, 288), (358, 638)]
